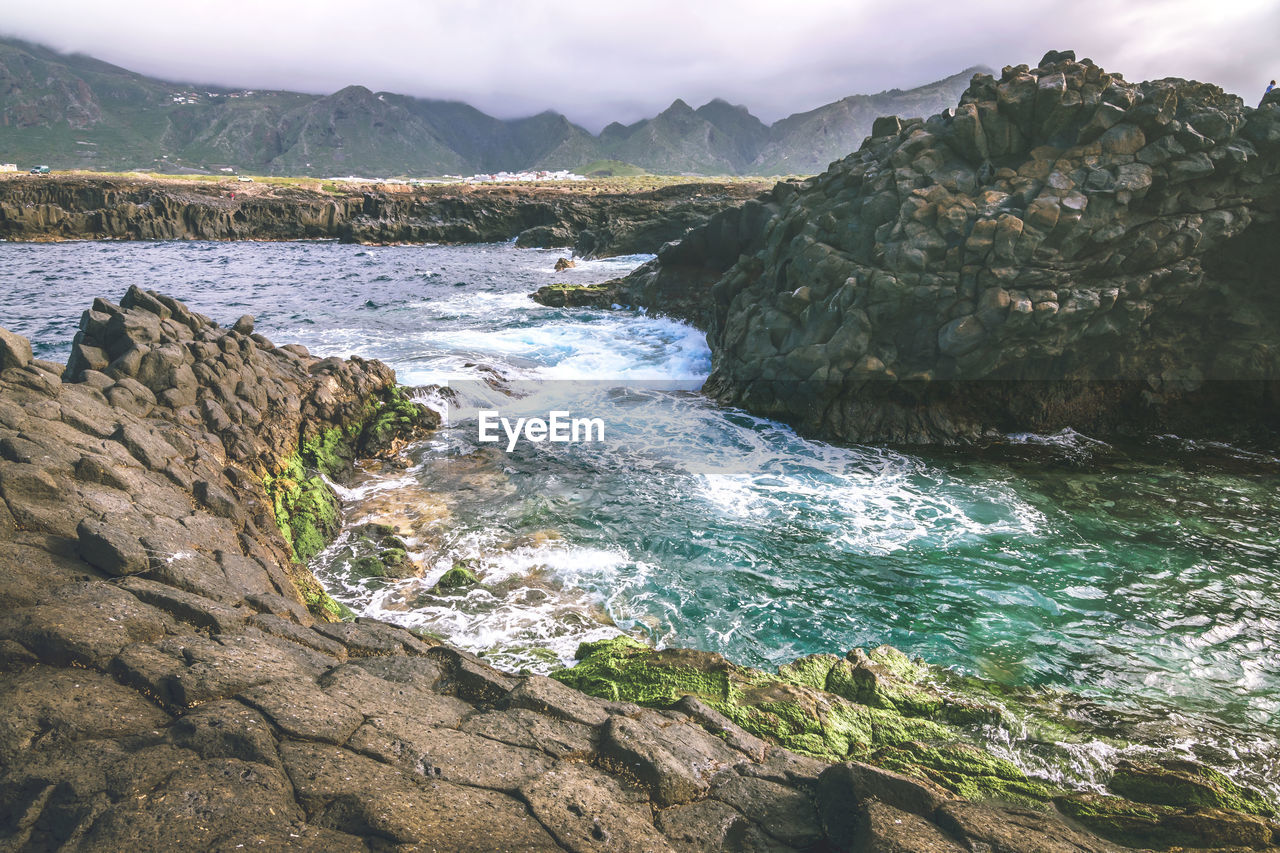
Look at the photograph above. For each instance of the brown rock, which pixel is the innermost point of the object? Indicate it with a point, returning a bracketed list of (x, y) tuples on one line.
[(351, 793), (586, 810), (15, 350)]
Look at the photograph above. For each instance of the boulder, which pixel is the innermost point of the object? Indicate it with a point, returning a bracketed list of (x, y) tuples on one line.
[(15, 350)]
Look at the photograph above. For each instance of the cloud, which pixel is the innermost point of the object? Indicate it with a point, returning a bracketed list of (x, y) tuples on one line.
[(599, 62)]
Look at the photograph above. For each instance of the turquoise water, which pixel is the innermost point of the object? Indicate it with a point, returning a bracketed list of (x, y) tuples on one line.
[(1136, 575)]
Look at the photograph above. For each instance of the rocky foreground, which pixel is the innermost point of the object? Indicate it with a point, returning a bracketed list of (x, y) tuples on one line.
[(1063, 248), (597, 219), (173, 678)]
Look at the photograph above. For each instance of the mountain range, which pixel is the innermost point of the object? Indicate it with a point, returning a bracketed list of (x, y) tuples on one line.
[(73, 111)]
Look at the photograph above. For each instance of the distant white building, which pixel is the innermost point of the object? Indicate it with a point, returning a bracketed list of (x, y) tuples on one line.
[(503, 177), (8, 167)]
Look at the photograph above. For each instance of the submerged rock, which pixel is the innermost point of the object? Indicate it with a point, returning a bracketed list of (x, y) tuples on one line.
[(575, 295), (459, 576)]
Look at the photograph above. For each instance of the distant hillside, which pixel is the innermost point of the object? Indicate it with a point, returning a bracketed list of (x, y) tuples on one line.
[(806, 143), (78, 112)]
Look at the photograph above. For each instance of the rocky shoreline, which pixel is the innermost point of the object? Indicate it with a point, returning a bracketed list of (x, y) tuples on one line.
[(596, 219), (1062, 249), (174, 678)]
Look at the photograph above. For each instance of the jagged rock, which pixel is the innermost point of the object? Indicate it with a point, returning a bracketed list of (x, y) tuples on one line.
[(844, 787), (468, 677), (226, 729), (300, 709), (15, 350), (783, 812), (109, 548), (884, 829), (547, 696), (520, 727), (676, 763), (444, 753), (707, 826), (1064, 248), (45, 704), (361, 796)]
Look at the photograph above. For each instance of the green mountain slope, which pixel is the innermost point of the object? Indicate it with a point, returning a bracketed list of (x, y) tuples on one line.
[(806, 143), (79, 112)]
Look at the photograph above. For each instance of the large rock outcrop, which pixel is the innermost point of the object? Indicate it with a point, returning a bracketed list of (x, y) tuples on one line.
[(1064, 248)]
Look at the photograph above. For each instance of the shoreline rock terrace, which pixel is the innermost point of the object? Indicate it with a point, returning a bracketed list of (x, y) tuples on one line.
[(596, 219), (173, 677)]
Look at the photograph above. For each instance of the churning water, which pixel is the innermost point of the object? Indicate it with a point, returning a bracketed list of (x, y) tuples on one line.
[(1143, 575)]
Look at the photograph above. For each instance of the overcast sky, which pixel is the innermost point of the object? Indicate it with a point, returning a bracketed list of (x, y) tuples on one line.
[(598, 61)]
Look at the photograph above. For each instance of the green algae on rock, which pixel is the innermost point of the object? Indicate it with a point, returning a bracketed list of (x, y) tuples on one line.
[(888, 710), (286, 421), (576, 295), (1148, 825), (1184, 784), (305, 507), (873, 706), (965, 770), (459, 576)]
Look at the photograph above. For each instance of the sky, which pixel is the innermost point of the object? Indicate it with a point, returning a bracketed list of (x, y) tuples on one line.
[(599, 61)]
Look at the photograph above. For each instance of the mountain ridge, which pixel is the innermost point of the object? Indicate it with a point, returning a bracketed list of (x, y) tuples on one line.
[(76, 111)]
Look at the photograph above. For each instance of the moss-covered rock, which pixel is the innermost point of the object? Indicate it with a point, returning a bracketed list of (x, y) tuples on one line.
[(865, 707), (305, 507), (1146, 825), (968, 771), (367, 566), (1184, 784), (884, 708), (319, 601), (576, 295), (393, 423), (395, 561), (462, 575)]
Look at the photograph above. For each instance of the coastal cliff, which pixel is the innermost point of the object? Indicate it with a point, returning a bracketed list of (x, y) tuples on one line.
[(1063, 248), (596, 220), (174, 677)]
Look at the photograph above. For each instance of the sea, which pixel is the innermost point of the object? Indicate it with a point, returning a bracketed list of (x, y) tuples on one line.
[(1141, 577)]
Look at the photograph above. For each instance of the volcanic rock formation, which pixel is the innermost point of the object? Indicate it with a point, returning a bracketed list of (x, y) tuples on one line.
[(1064, 248), (595, 221)]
